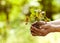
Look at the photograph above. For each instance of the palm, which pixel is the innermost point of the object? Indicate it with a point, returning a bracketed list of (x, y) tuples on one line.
[(37, 31)]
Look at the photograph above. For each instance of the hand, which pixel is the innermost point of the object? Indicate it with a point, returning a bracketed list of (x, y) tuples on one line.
[(35, 28), (43, 30)]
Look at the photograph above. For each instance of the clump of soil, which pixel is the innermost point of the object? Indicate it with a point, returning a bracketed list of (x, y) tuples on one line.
[(38, 24)]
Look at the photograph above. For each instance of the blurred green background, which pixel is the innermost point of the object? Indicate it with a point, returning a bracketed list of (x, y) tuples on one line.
[(15, 14)]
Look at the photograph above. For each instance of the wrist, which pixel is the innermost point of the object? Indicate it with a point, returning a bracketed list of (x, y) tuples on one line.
[(57, 28), (52, 28)]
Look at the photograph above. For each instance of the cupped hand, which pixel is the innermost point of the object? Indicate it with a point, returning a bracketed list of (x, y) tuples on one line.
[(41, 30)]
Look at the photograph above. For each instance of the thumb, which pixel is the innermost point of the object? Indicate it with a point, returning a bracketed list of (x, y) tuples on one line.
[(44, 27)]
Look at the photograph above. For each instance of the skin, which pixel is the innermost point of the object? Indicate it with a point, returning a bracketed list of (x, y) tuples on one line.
[(45, 28)]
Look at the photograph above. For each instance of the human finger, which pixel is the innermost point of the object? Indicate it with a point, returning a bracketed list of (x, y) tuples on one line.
[(35, 30)]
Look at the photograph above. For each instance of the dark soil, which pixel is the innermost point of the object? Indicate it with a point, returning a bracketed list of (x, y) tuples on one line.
[(38, 24)]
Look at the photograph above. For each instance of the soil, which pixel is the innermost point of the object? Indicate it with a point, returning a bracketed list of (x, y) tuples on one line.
[(38, 24)]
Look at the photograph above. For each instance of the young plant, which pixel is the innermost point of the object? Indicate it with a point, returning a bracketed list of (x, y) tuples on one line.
[(36, 15)]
